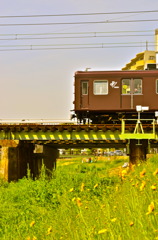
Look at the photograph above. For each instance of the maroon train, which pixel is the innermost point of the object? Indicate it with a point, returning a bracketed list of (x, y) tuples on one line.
[(104, 96)]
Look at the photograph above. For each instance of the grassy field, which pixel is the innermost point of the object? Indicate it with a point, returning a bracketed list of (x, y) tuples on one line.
[(98, 200)]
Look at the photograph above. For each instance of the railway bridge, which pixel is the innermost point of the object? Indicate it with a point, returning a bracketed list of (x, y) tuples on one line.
[(29, 144)]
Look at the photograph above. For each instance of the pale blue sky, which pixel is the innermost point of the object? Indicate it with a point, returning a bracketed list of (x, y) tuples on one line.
[(39, 83)]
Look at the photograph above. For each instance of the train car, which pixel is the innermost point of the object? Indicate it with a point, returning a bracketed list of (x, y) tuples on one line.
[(104, 96)]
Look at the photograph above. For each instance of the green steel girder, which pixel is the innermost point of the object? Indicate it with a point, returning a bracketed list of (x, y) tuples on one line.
[(74, 135), (86, 133), (64, 135)]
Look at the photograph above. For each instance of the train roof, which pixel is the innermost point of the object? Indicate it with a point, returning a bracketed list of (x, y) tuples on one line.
[(118, 73)]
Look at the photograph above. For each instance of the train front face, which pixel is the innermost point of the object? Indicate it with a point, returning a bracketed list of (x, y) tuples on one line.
[(107, 96)]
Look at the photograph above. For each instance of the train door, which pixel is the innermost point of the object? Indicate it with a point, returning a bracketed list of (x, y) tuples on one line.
[(85, 94), (131, 93)]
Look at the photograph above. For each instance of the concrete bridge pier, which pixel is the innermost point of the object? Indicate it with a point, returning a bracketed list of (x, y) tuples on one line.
[(18, 156), (137, 150)]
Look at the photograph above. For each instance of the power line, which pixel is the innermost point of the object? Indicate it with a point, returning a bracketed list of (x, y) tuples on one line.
[(73, 23), (68, 48), (76, 14), (74, 44), (72, 37), (70, 33)]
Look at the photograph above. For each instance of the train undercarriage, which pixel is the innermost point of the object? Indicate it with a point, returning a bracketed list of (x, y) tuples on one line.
[(94, 117)]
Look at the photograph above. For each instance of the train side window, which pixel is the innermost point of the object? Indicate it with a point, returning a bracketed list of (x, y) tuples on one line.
[(85, 88), (100, 87), (126, 86), (137, 86), (157, 86)]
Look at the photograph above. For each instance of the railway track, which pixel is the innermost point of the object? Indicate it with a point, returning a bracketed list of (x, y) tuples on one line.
[(72, 127)]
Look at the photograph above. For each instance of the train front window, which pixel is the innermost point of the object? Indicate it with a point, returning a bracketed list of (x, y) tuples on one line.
[(100, 87), (85, 88), (126, 86)]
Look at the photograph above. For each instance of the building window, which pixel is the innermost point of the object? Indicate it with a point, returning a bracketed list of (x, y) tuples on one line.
[(85, 88), (151, 57), (100, 87)]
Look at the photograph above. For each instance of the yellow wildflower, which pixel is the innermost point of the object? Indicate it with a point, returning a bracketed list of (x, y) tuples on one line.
[(151, 208), (96, 185), (49, 230), (82, 187), (131, 224), (78, 201), (102, 231), (153, 187), (71, 190), (32, 223), (142, 173), (142, 185), (113, 219), (156, 172), (34, 238), (123, 173)]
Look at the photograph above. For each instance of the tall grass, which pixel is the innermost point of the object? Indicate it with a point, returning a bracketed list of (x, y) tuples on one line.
[(83, 201)]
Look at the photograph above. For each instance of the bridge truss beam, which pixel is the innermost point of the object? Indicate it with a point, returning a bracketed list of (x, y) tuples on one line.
[(19, 140)]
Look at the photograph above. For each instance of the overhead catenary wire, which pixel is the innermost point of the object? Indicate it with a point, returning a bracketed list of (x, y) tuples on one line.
[(70, 33), (71, 37), (65, 44), (77, 14), (74, 23), (80, 45), (68, 48), (61, 35)]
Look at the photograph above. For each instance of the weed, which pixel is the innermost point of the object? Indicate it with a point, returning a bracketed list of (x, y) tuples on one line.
[(82, 201)]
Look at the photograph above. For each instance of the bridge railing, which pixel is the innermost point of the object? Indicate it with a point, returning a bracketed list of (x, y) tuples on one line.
[(143, 128)]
